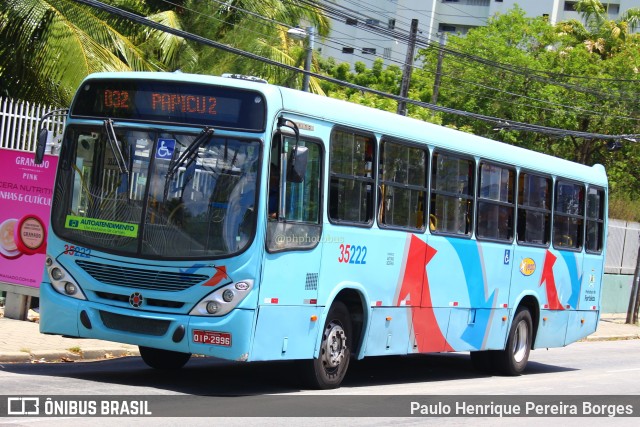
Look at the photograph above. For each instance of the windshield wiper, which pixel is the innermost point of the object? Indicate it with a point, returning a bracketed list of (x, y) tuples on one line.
[(190, 153), (115, 148)]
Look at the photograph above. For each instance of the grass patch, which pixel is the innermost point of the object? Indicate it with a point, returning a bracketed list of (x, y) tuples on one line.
[(76, 350)]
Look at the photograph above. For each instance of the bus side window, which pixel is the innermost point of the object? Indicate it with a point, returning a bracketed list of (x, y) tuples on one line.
[(451, 194), (534, 209), (293, 209), (403, 188), (352, 156), (595, 220), (496, 204), (568, 215)]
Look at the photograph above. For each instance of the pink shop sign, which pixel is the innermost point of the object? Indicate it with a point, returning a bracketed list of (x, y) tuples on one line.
[(26, 190)]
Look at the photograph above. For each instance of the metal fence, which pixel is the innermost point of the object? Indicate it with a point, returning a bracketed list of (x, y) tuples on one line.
[(622, 247), (19, 124)]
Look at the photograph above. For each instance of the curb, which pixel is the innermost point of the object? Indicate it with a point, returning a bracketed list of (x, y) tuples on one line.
[(54, 356)]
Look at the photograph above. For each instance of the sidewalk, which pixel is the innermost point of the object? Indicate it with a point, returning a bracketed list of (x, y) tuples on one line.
[(21, 341)]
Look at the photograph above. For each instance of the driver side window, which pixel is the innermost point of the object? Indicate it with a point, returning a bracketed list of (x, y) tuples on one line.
[(293, 208)]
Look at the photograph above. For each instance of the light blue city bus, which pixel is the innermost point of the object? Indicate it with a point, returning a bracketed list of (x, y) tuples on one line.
[(232, 218)]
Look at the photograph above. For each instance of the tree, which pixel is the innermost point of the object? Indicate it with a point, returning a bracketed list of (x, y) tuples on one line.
[(527, 70), (48, 46), (257, 26)]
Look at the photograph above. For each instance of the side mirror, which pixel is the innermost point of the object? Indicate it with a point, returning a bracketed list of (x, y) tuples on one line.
[(43, 136), (297, 168)]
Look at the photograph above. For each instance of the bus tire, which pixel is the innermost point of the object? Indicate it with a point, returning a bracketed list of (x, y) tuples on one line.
[(163, 359), (513, 359), (328, 370)]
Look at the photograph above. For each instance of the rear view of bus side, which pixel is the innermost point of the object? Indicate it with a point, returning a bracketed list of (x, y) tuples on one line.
[(327, 231)]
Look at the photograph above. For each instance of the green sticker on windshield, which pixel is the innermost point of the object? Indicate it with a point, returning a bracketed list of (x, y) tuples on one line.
[(101, 226)]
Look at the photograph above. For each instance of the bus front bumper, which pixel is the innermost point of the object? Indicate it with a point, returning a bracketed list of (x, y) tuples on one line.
[(226, 337)]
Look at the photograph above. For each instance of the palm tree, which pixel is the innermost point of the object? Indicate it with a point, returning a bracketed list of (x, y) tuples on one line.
[(601, 34), (48, 46), (257, 26)]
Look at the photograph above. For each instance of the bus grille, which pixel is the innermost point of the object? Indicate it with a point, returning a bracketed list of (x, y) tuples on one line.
[(141, 278), (137, 325)]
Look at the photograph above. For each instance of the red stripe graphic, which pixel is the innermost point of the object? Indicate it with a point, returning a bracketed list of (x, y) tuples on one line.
[(550, 282), (415, 282)]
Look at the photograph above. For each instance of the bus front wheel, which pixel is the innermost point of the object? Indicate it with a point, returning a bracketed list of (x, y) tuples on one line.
[(328, 370), (163, 359), (513, 359)]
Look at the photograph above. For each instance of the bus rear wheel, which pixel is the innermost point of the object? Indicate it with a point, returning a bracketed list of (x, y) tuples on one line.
[(163, 359), (330, 367), (513, 359)]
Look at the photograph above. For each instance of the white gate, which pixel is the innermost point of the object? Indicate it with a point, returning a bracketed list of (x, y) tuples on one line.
[(19, 124)]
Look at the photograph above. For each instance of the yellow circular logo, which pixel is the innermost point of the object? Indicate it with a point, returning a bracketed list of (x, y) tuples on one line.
[(527, 266)]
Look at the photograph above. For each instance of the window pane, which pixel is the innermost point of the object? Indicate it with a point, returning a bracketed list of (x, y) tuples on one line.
[(350, 200), (533, 227), (569, 198), (495, 221), (351, 154), (403, 207), (496, 183), (450, 215), (452, 174), (403, 164), (594, 236), (534, 191), (302, 200), (567, 232), (594, 203)]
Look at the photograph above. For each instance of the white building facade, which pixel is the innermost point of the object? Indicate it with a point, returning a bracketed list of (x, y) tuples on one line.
[(369, 35)]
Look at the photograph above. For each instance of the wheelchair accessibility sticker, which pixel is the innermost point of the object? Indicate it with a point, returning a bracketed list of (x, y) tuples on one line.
[(165, 148)]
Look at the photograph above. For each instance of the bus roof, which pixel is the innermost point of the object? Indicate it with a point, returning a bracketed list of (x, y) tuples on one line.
[(392, 125)]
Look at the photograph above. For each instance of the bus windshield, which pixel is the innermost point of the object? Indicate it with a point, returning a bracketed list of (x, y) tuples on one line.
[(178, 195)]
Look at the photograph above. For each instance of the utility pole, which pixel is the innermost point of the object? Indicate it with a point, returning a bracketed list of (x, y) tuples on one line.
[(436, 83), (408, 67), (634, 298)]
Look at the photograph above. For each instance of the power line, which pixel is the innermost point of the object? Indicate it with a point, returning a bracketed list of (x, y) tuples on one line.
[(505, 124)]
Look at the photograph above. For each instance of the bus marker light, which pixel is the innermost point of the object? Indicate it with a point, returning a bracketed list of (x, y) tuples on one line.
[(378, 303), (582, 321), (314, 317), (212, 307), (311, 301), (70, 288), (544, 319), (504, 318), (271, 300), (56, 273), (568, 306), (453, 303), (593, 307), (546, 306), (228, 295), (388, 318), (505, 305)]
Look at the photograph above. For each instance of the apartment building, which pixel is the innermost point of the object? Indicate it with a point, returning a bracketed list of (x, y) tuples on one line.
[(364, 32)]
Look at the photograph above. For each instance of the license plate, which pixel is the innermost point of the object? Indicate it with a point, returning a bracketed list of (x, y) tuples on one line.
[(212, 337)]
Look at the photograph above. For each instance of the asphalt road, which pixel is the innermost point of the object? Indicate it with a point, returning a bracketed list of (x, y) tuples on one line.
[(585, 368)]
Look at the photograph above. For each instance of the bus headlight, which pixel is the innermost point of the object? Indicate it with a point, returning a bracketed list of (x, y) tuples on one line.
[(62, 280), (223, 300)]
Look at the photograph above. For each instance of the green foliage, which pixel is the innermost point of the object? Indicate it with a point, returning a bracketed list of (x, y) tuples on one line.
[(537, 73), (48, 46)]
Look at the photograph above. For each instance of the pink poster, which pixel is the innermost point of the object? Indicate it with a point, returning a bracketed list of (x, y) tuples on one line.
[(25, 204)]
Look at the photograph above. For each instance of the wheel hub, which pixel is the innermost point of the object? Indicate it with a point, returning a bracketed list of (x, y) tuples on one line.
[(336, 344)]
